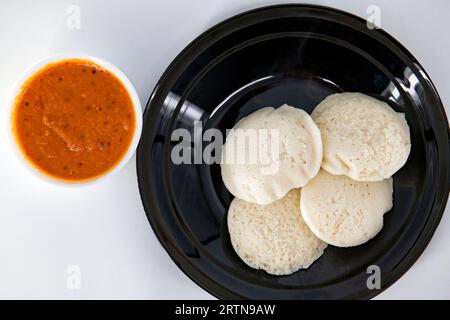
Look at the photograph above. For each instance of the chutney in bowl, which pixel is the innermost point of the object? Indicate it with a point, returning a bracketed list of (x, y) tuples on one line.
[(75, 119)]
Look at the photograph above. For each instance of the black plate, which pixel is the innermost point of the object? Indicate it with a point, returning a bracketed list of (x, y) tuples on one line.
[(295, 54)]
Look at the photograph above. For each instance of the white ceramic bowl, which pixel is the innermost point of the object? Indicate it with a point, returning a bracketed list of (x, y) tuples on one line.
[(17, 88)]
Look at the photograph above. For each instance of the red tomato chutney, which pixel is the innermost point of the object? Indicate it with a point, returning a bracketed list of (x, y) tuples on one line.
[(74, 120)]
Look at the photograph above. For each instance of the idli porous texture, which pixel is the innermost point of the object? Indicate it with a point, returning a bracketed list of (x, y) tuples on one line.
[(363, 138), (273, 238), (288, 150), (344, 212)]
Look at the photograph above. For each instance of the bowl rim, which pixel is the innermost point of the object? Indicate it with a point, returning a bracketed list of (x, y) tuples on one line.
[(17, 89)]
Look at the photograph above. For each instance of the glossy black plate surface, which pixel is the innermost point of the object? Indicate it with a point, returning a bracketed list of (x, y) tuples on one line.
[(294, 54)]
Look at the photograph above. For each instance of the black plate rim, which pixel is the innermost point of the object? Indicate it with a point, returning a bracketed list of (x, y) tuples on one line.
[(216, 289)]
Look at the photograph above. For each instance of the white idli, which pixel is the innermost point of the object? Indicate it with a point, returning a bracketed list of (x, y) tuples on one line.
[(288, 152), (343, 212), (363, 138), (274, 237)]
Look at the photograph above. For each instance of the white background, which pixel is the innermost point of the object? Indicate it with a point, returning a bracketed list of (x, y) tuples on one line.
[(103, 228)]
